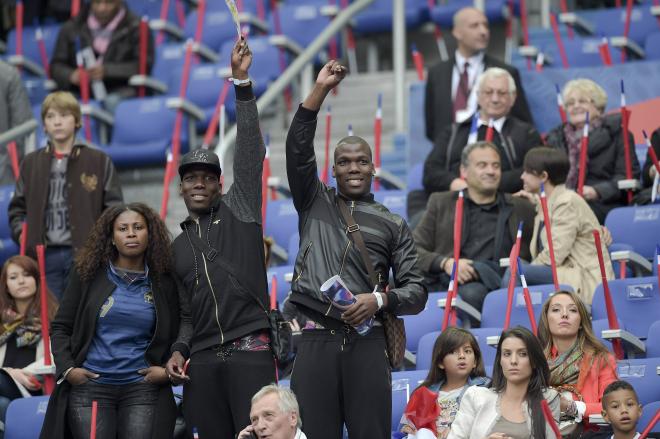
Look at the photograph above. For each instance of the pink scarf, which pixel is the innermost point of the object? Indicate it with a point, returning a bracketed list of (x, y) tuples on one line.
[(102, 35)]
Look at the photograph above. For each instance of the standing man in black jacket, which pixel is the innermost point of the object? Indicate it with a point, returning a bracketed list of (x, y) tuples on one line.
[(230, 356), (340, 376), (450, 91)]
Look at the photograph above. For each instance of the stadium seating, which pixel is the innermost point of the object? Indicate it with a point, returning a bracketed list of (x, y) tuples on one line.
[(296, 20), (394, 200), (599, 325), (25, 417), (430, 319), (377, 17), (494, 308), (415, 176), (636, 301), (648, 412), (610, 22), (495, 11), (404, 384), (643, 375), (283, 285), (7, 247), (281, 221), (652, 46), (637, 226), (653, 340), (31, 49)]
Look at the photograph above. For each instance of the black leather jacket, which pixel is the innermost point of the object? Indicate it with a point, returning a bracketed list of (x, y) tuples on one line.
[(325, 248)]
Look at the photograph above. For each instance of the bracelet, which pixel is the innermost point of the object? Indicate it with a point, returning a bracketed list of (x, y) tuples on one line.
[(240, 81), (379, 300)]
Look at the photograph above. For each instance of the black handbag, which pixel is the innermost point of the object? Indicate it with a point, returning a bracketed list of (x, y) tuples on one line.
[(393, 326), (280, 331)]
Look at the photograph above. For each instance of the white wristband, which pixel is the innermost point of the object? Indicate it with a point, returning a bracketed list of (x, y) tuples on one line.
[(379, 299), (240, 81)]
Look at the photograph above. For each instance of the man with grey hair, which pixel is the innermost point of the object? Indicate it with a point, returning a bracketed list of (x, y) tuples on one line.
[(274, 414), (450, 91), (496, 93), (490, 222)]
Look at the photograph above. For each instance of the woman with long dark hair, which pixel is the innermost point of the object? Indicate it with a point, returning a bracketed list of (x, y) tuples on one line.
[(21, 346), (580, 365), (511, 407), (113, 333)]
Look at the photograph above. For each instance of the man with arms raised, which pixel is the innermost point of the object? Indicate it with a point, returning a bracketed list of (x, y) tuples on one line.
[(341, 376)]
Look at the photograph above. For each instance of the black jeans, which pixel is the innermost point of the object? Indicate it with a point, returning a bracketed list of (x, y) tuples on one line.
[(58, 266), (124, 411), (217, 399), (343, 378)]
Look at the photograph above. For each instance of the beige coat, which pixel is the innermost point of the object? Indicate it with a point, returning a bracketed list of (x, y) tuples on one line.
[(572, 224)]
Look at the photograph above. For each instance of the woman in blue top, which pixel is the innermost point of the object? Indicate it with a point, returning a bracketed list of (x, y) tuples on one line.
[(114, 330)]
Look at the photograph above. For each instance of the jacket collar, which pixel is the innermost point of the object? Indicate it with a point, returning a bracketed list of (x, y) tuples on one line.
[(366, 198)]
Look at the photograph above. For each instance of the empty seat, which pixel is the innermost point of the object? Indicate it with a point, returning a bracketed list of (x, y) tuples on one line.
[(281, 221), (638, 226), (653, 340), (25, 417), (297, 19), (377, 17), (648, 412), (31, 44), (599, 326), (428, 320), (636, 301), (642, 373), (394, 200)]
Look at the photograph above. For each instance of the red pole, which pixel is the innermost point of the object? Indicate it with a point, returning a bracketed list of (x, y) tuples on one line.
[(13, 158), (166, 186), (626, 27), (649, 427), (582, 172), (39, 36), (144, 41), (548, 235), (558, 41), (84, 95), (49, 380), (326, 152), (564, 9), (418, 59), (201, 12), (609, 305), (450, 297), (625, 121), (547, 413), (513, 265), (180, 12), (92, 430), (213, 125), (164, 10), (273, 292), (75, 8), (378, 129), (19, 27), (604, 50), (458, 232), (23, 238), (527, 297)]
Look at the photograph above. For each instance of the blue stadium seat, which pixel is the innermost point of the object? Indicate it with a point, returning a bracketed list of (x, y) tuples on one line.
[(6, 192), (610, 22), (599, 325), (265, 66), (580, 52), (642, 373), (488, 352), (377, 17), (25, 417), (218, 27), (443, 14), (169, 57), (429, 320), (637, 226), (494, 308), (281, 221), (394, 200), (653, 339), (296, 20), (143, 132), (283, 287), (636, 300), (292, 249), (652, 46), (425, 350), (415, 176), (404, 384), (30, 42), (648, 412), (418, 145)]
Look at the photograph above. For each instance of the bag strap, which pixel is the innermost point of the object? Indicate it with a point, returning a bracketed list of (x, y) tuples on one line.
[(212, 255), (353, 231)]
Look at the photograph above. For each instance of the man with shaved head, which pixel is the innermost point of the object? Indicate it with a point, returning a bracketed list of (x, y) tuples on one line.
[(450, 92), (341, 376)]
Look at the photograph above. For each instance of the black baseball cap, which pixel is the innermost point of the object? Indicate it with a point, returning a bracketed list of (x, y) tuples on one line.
[(200, 157)]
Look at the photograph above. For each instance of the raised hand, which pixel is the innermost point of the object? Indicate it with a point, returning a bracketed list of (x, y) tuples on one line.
[(331, 74), (241, 58)]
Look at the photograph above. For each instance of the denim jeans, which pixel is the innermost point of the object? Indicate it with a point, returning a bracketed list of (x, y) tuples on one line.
[(124, 412), (58, 264)]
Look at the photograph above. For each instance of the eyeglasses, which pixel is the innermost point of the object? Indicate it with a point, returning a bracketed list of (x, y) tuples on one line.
[(581, 102)]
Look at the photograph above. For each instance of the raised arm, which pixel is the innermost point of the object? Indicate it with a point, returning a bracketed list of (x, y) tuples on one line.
[(301, 165), (244, 196)]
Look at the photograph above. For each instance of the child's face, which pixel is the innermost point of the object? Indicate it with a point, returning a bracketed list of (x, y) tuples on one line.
[(59, 125), (460, 363), (622, 410)]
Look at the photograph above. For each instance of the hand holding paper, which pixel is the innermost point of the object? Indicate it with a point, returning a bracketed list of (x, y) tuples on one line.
[(241, 58)]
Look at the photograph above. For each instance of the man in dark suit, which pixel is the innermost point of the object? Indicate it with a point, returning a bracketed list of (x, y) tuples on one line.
[(450, 95)]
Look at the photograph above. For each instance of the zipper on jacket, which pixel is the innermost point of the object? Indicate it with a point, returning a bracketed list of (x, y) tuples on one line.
[(302, 264), (208, 278), (153, 337)]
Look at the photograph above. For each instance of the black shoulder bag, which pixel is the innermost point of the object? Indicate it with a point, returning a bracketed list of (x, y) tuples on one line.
[(395, 331), (280, 331)]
